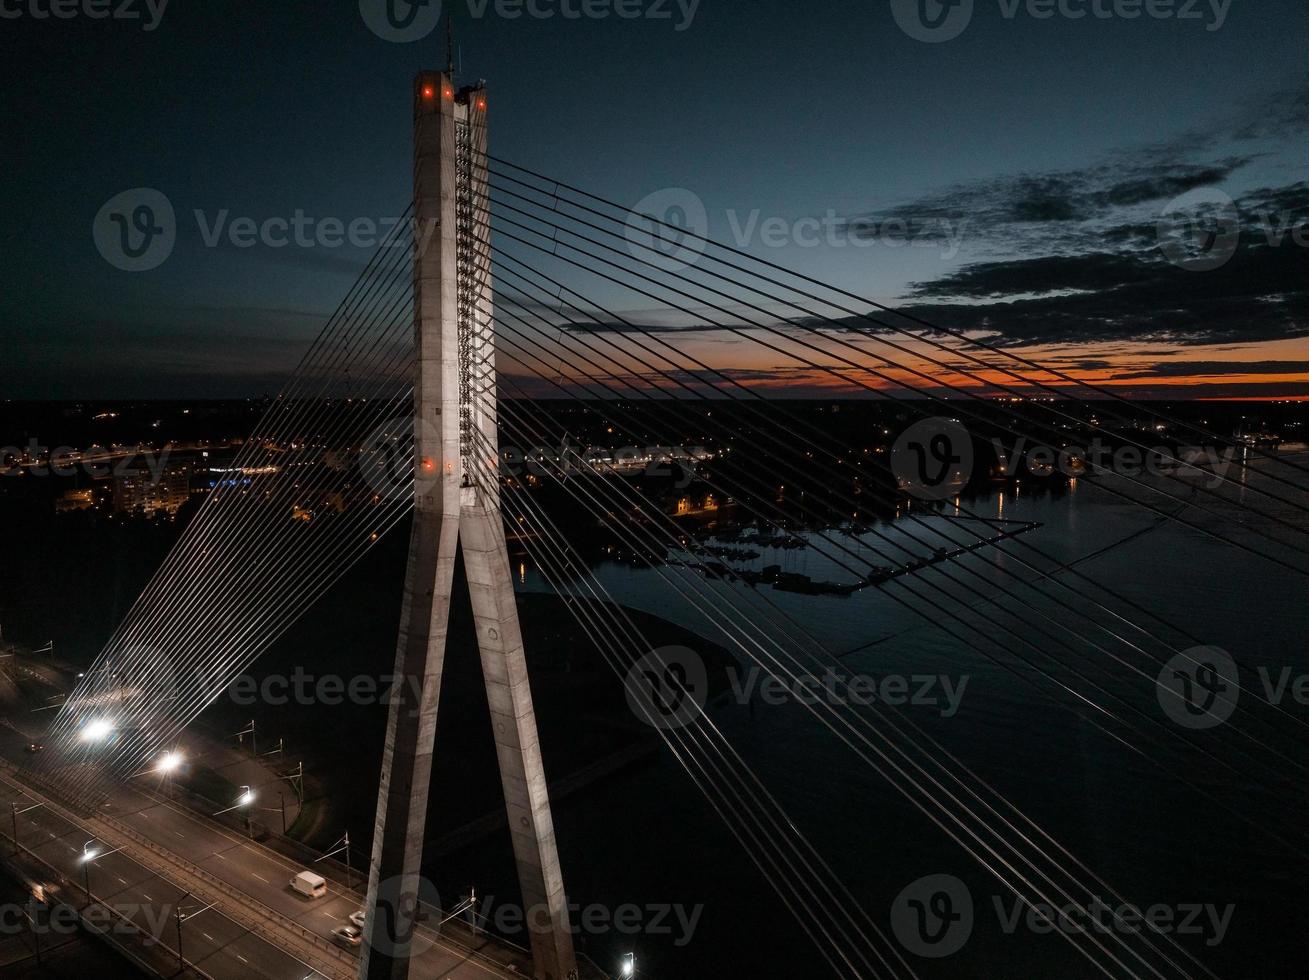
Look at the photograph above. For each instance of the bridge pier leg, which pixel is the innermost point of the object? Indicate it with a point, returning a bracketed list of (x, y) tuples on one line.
[(457, 497), (513, 721)]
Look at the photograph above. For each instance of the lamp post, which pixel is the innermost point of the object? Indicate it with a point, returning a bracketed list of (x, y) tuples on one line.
[(88, 856), (15, 813), (629, 965), (181, 960), (244, 800)]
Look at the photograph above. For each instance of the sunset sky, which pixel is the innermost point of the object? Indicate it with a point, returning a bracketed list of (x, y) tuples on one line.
[(1008, 183)]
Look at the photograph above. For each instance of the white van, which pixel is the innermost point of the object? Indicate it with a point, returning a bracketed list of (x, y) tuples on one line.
[(309, 884)]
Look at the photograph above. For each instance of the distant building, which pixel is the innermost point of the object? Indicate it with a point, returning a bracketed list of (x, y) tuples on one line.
[(139, 492), (75, 500)]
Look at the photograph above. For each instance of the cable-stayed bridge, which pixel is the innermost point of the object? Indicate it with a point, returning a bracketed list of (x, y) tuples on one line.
[(504, 288)]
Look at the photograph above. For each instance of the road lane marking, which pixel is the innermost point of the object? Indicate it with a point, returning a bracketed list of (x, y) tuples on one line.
[(262, 878)]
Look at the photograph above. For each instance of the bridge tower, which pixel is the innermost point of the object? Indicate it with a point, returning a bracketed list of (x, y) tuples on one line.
[(457, 503)]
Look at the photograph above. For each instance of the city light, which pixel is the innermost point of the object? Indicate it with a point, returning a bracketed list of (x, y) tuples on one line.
[(170, 762), (247, 797), (97, 730), (629, 965)]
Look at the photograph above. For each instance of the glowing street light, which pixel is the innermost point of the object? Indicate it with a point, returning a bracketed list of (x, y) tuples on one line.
[(97, 730), (89, 856), (629, 965), (245, 799), (170, 762)]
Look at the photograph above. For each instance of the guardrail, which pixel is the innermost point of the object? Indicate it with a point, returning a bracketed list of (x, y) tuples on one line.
[(244, 902), (319, 953), (109, 936)]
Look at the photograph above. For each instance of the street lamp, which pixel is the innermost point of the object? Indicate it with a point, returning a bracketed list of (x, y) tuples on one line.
[(90, 855), (16, 813), (170, 762), (245, 799), (629, 965), (97, 730)]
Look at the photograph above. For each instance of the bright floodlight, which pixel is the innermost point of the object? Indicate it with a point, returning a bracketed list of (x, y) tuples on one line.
[(89, 853), (246, 797), (169, 762), (629, 965), (97, 730)]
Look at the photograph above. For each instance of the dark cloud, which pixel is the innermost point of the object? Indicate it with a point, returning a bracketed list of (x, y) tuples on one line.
[(1208, 369), (1127, 289)]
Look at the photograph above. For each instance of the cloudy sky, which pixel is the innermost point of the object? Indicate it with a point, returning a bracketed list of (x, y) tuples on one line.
[(1124, 196)]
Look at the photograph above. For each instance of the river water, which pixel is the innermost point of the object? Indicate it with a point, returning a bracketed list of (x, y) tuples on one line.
[(1219, 852)]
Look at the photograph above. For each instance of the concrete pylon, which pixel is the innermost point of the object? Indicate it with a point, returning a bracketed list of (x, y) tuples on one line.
[(457, 500)]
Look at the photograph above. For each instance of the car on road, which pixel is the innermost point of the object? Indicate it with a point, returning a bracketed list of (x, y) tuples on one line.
[(357, 918), (34, 747), (309, 884), (348, 935)]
